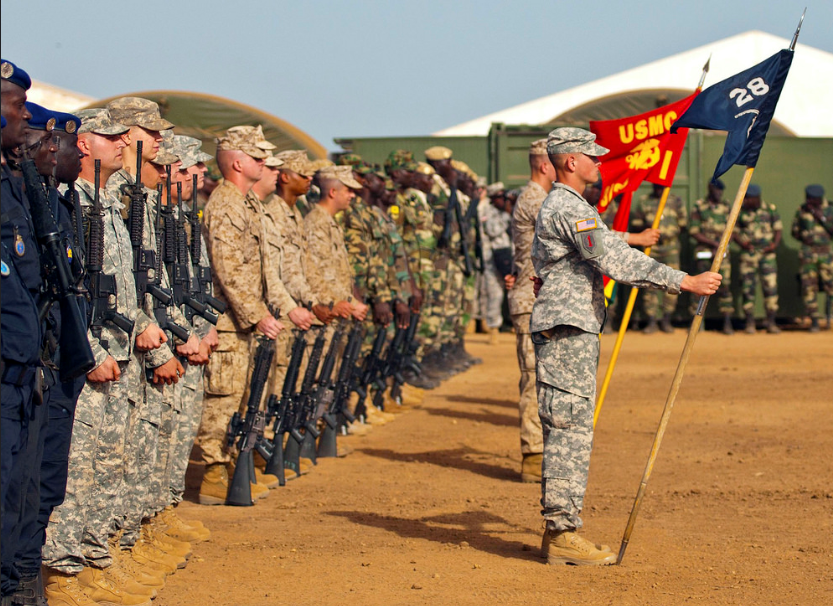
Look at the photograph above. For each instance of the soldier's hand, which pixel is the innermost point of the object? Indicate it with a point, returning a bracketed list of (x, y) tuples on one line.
[(212, 339), (201, 358), (301, 317), (169, 373), (152, 337), (403, 314), (323, 313), (104, 372), (416, 300), (509, 281), (342, 309), (705, 284), (537, 283), (360, 311), (269, 326), (647, 237), (190, 347), (382, 313)]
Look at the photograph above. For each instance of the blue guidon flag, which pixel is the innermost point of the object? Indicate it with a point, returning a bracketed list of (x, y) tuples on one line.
[(743, 105)]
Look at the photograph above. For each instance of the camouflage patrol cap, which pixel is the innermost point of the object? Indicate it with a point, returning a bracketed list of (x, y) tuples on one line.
[(438, 152), (189, 151), (495, 188), (297, 161), (168, 152), (538, 148), (135, 111), (390, 185), (425, 168), (340, 173), (569, 139), (248, 139), (273, 161), (349, 159), (362, 168), (98, 121), (400, 159), (317, 165)]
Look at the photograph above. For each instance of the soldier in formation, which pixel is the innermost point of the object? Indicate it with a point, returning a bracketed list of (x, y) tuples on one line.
[(813, 228)]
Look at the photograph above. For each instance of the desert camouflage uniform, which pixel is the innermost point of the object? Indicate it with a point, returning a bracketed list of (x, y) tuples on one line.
[(757, 227), (79, 528), (571, 251), (521, 299), (816, 255), (710, 219), (667, 250)]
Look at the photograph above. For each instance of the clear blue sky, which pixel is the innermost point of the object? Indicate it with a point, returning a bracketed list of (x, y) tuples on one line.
[(373, 68)]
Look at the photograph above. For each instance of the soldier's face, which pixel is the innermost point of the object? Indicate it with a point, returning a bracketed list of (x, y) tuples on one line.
[(106, 148), (68, 158), (13, 107), (752, 201), (269, 180), (587, 167), (715, 193), (342, 195), (41, 147), (813, 201), (251, 168), (150, 141)]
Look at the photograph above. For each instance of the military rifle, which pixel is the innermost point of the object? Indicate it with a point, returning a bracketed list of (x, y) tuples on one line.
[(324, 394), (462, 226), (406, 360), (249, 429), (369, 372), (388, 366), (202, 273), (76, 355), (303, 444), (337, 410), (103, 289)]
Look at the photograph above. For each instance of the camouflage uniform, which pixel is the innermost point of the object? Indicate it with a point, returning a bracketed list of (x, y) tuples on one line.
[(709, 219), (447, 263), (415, 223), (362, 238), (816, 255), (757, 227), (667, 250), (521, 299), (495, 225), (80, 527), (571, 251)]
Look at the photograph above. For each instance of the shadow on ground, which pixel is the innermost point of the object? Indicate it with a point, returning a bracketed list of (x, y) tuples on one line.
[(467, 459), (481, 416)]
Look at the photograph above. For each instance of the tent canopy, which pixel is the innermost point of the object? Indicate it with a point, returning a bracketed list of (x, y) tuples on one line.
[(802, 110), (207, 117)]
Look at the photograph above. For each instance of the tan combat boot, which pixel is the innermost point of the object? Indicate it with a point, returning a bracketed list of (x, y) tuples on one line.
[(356, 428), (570, 548), (154, 534), (64, 590), (178, 528), (494, 336), (144, 575), (214, 485), (147, 554), (412, 393), (267, 479), (102, 590), (122, 579), (531, 467)]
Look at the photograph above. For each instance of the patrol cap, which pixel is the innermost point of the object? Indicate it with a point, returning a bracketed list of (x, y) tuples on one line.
[(569, 139), (425, 168), (718, 183), (273, 161), (42, 118), (362, 168), (340, 173), (9, 71), (98, 121), (317, 165), (753, 191), (814, 191), (400, 159), (349, 159), (495, 188), (438, 152), (67, 123), (135, 111), (248, 139), (167, 152), (297, 161), (538, 148), (189, 152)]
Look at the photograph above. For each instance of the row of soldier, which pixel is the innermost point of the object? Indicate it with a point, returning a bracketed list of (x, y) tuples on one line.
[(315, 325)]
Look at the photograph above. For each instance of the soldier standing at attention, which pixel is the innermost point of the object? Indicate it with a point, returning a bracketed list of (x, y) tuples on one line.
[(571, 252), (813, 227), (758, 233), (707, 224), (666, 251)]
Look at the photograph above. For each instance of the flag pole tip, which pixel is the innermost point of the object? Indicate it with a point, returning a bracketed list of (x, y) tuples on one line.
[(798, 30)]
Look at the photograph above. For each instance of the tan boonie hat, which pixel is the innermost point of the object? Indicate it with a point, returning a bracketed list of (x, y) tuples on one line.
[(340, 173), (189, 152), (296, 161), (538, 148), (425, 168), (569, 139), (135, 111), (99, 122), (248, 139), (438, 152)]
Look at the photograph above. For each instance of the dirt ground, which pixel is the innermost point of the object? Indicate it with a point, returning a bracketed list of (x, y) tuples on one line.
[(429, 509)]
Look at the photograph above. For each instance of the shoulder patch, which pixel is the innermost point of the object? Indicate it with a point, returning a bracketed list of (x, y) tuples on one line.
[(586, 225), (592, 245)]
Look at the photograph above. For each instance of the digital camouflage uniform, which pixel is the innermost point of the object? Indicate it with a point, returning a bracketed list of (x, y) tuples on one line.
[(571, 252), (667, 250), (80, 527), (494, 225), (816, 256), (521, 300), (709, 219), (757, 227)]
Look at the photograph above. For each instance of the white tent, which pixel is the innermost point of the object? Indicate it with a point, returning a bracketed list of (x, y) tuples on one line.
[(803, 110), (56, 98)]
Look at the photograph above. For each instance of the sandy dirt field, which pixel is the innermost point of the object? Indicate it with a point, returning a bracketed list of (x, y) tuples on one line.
[(429, 509)]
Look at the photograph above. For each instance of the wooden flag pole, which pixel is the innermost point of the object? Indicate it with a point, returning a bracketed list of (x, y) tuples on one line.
[(678, 376), (626, 318)]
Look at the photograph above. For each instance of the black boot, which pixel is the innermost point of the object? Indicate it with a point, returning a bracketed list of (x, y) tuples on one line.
[(29, 592), (771, 324), (750, 324), (665, 324), (814, 326), (727, 325), (651, 327)]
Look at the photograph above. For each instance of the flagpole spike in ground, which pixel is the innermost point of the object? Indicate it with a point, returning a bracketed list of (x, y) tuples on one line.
[(798, 30)]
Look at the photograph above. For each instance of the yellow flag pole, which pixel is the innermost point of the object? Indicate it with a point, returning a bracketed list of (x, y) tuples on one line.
[(626, 318), (678, 376)]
